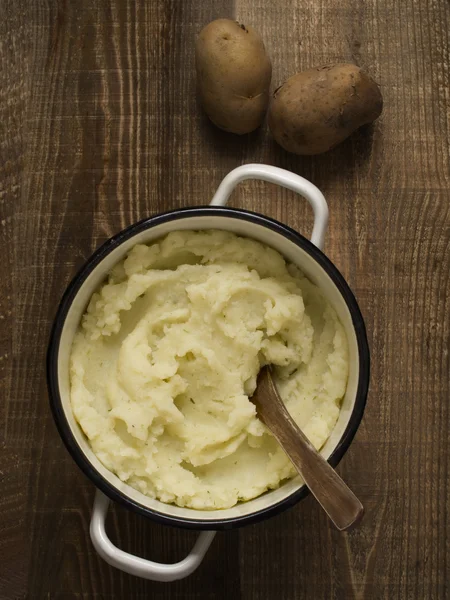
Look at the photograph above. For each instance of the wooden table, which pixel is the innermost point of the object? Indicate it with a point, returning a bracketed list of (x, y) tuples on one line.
[(99, 127)]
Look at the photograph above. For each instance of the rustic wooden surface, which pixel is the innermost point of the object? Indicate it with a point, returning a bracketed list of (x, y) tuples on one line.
[(99, 127)]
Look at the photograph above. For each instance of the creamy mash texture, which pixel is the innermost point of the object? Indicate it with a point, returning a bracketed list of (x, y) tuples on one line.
[(167, 356)]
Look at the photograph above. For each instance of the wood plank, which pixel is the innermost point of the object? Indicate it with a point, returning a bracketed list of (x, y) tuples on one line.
[(99, 127)]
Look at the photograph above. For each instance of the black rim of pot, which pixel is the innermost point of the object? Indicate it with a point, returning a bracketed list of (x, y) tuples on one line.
[(53, 350)]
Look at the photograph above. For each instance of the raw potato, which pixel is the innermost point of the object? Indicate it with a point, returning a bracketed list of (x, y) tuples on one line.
[(233, 74), (317, 109)]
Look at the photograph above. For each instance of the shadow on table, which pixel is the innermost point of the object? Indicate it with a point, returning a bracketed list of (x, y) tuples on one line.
[(353, 154)]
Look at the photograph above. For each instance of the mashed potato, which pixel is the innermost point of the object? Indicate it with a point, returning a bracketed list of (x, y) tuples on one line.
[(168, 353)]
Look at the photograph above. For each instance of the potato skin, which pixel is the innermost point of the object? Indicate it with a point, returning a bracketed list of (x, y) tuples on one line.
[(233, 75), (317, 109)]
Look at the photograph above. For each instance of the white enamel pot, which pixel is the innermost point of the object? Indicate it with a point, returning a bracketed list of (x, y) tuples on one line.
[(296, 249)]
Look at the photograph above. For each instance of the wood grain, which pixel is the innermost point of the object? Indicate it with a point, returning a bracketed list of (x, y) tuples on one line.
[(99, 126)]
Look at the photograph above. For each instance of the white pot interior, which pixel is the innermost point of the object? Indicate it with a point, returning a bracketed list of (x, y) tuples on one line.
[(292, 253)]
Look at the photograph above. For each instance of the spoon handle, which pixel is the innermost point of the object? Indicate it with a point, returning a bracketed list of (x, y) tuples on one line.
[(335, 497)]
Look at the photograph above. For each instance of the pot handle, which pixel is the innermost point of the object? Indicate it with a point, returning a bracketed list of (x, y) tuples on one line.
[(140, 566), (286, 179), (148, 569)]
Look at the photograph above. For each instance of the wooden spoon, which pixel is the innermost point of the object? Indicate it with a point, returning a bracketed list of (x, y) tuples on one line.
[(337, 500)]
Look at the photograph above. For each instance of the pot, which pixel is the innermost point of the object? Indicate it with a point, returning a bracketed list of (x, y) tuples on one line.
[(307, 255)]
